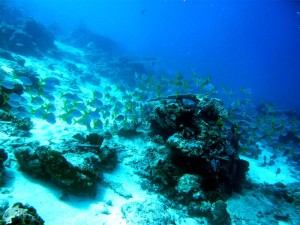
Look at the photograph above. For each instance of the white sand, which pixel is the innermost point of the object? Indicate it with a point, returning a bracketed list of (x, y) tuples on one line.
[(44, 197), (267, 174)]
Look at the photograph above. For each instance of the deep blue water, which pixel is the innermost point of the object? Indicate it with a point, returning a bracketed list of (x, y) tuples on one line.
[(254, 44)]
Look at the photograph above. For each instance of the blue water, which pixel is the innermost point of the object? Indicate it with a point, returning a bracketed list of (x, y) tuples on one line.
[(253, 44)]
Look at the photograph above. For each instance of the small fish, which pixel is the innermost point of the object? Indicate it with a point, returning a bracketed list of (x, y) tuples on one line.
[(68, 120), (119, 105), (75, 113), (265, 161), (96, 103), (113, 99), (25, 80), (97, 94), (271, 163), (8, 84), (94, 114), (97, 124), (39, 113), (51, 81), (50, 118), (120, 118), (80, 106), (14, 96), (278, 171), (37, 100), (48, 87), (50, 97), (71, 96), (13, 103), (23, 114), (14, 111), (49, 107)]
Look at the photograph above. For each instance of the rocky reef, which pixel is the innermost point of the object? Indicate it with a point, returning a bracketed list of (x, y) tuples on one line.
[(197, 163), (75, 166), (23, 35), (21, 214), (202, 142), (3, 157)]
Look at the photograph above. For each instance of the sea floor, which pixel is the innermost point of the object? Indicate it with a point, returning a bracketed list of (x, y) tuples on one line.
[(249, 207), (122, 187)]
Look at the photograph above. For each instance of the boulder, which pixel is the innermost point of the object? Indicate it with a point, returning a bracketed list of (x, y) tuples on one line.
[(202, 142), (75, 168), (3, 158), (219, 214), (22, 215)]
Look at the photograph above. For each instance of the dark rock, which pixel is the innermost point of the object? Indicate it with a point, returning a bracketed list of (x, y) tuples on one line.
[(95, 139), (93, 143), (279, 185), (76, 173), (29, 161), (219, 213), (189, 188), (164, 174), (188, 184), (4, 204), (70, 165), (201, 209), (5, 116), (82, 37), (23, 123), (296, 157), (3, 158), (24, 35), (282, 216), (40, 36), (201, 144), (293, 194), (277, 192), (22, 215), (289, 137), (108, 157), (79, 137)]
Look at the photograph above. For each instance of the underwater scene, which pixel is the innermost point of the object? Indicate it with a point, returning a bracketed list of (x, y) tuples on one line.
[(140, 112)]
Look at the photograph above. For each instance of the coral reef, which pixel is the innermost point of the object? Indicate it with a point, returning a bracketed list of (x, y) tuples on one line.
[(23, 35), (220, 216), (82, 37), (201, 143), (94, 139), (22, 215), (75, 167)]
